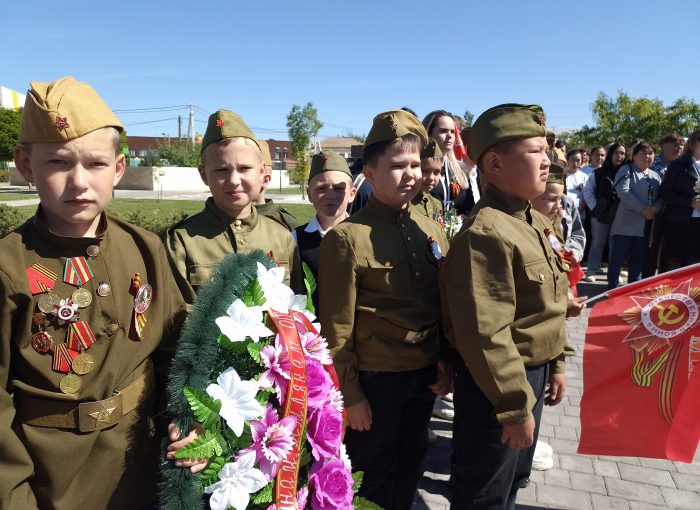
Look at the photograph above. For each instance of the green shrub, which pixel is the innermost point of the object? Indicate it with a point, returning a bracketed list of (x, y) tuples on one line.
[(155, 222), (4, 175), (10, 218)]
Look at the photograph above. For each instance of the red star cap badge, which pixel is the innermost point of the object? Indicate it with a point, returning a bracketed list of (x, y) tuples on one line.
[(219, 122), (61, 123)]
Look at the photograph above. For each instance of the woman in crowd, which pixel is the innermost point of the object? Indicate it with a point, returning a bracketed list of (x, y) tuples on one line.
[(601, 199), (454, 184), (682, 211), (637, 187), (575, 179), (597, 156)]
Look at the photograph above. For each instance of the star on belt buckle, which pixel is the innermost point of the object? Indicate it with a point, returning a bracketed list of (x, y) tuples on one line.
[(100, 414)]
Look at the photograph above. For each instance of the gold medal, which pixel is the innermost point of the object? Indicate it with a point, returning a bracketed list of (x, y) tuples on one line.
[(81, 297), (83, 363), (47, 302), (70, 384)]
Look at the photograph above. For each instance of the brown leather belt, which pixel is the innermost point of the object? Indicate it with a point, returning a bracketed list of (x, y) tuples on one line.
[(85, 416), (390, 330)]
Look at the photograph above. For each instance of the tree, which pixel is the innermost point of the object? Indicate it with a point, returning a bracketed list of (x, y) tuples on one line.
[(303, 125), (626, 119), (9, 132), (123, 144), (175, 152), (468, 117)]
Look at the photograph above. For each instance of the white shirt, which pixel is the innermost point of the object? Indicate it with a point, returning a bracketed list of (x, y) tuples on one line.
[(574, 186), (313, 226)]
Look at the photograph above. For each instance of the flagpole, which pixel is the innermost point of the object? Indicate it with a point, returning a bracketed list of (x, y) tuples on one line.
[(643, 281)]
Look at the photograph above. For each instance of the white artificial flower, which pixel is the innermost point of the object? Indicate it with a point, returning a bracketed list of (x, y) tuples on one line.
[(243, 321), (237, 397), (298, 303), (277, 295), (237, 481), (344, 456)]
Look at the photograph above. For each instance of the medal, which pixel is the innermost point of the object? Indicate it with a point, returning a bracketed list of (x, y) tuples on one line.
[(76, 271), (47, 302), (42, 342), (40, 279), (81, 297), (103, 289), (80, 336), (38, 320), (62, 358), (66, 311), (93, 251), (143, 294), (70, 384), (143, 298), (83, 363)]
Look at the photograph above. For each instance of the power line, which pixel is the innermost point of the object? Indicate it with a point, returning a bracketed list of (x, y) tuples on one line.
[(150, 122), (153, 109)]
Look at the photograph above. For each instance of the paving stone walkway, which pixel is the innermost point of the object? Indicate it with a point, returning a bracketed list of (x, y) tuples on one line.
[(579, 482)]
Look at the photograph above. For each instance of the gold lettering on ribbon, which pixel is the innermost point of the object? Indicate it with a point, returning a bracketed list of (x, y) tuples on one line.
[(295, 405)]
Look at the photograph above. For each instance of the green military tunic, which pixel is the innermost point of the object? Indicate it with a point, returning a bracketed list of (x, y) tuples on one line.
[(60, 468), (427, 205), (198, 243), (380, 302), (278, 213), (504, 294)]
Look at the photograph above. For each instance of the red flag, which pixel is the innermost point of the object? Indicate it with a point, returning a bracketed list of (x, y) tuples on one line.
[(459, 150), (641, 370)]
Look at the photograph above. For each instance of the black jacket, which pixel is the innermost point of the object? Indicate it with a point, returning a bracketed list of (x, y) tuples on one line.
[(677, 189)]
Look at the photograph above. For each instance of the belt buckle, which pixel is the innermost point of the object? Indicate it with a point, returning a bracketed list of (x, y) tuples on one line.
[(100, 414), (414, 337)]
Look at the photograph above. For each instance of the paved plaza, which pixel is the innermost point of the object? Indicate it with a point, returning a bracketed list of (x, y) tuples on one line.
[(580, 482)]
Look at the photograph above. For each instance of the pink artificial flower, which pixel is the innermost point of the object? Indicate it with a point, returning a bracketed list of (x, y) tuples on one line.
[(276, 374), (302, 497), (272, 440), (316, 347), (324, 432), (332, 483), (319, 383)]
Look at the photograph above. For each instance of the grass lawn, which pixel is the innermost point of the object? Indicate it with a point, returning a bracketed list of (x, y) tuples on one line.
[(14, 195), (293, 190), (169, 208)]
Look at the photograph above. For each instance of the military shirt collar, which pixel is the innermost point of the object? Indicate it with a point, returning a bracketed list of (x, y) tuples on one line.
[(506, 203), (237, 225), (386, 212), (71, 244)]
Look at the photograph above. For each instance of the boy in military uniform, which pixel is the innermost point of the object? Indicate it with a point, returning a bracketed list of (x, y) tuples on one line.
[(266, 206), (380, 311), (232, 167), (504, 294), (431, 162), (330, 191), (88, 310)]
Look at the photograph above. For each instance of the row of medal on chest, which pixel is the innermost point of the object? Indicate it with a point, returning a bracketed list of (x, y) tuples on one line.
[(71, 357)]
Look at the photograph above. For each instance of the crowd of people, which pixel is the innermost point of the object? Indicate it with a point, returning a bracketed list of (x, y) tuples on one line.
[(638, 205), (448, 264)]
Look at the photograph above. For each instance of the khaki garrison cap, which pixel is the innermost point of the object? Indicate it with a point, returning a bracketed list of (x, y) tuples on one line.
[(557, 175), (394, 124), (432, 150), (505, 122), (328, 161), (63, 110), (265, 148), (226, 124)]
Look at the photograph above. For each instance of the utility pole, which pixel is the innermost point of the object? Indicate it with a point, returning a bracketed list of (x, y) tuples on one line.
[(190, 127), (179, 126)]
